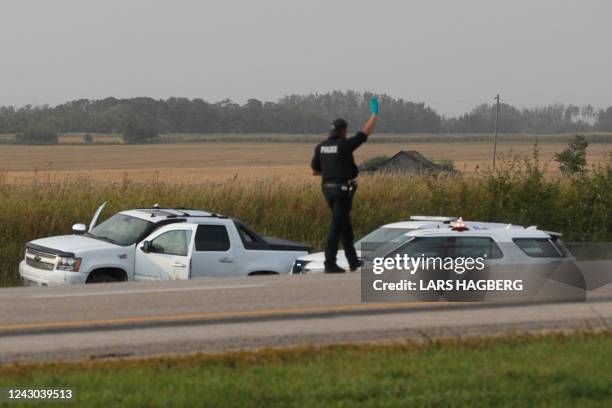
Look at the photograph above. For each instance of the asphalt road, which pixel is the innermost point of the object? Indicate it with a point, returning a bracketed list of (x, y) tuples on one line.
[(217, 315)]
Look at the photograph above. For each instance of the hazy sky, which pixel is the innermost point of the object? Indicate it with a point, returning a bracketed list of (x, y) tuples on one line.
[(450, 54)]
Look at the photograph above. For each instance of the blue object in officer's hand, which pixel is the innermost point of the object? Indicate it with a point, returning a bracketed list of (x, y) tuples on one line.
[(374, 106)]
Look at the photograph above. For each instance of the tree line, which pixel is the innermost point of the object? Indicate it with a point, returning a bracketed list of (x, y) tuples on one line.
[(290, 114)]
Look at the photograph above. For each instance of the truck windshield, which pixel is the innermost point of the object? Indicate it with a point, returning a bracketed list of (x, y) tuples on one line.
[(121, 229), (384, 235)]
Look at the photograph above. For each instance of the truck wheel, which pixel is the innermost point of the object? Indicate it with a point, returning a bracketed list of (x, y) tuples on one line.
[(263, 273), (101, 278)]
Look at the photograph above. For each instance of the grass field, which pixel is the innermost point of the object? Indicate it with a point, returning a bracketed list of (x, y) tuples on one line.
[(294, 209), (194, 162), (549, 370), (115, 138), (45, 189)]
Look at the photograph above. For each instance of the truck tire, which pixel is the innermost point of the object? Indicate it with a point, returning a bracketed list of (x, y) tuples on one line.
[(263, 273), (101, 278)]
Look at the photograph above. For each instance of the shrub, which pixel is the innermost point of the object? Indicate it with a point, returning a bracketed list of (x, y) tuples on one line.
[(373, 163), (37, 135), (139, 133), (445, 164), (87, 139), (573, 159)]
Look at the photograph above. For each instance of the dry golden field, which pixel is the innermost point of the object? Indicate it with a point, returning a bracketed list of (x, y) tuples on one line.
[(192, 162)]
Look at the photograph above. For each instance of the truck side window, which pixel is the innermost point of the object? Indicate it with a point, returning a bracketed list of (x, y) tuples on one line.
[(246, 235), (538, 247), (212, 238), (172, 243), (249, 238), (474, 247)]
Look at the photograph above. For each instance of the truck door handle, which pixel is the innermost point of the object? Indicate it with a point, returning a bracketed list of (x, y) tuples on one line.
[(179, 265), (226, 260)]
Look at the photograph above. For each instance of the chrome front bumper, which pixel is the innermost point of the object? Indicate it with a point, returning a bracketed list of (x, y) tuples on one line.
[(33, 276)]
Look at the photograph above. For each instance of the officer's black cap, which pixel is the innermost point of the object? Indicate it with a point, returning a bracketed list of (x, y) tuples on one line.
[(339, 124)]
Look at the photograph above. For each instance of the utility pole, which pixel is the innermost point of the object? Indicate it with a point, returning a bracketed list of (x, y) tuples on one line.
[(495, 137)]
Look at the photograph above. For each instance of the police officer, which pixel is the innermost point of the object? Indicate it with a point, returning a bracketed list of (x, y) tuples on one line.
[(333, 160)]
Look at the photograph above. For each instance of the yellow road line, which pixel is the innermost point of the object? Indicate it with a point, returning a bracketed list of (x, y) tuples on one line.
[(210, 316)]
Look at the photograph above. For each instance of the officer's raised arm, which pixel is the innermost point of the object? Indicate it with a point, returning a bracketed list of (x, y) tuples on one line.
[(368, 128), (352, 143)]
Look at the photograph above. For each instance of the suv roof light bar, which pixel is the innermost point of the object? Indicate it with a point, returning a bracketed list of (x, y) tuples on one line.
[(459, 225)]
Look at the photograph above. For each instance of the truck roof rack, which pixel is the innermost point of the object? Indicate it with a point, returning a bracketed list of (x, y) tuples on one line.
[(156, 211), (210, 214), (160, 211)]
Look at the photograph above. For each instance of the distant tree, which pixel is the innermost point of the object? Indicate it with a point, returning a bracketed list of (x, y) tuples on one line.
[(588, 114), (134, 132), (309, 113), (604, 120), (573, 159), (37, 134), (87, 139), (571, 112)]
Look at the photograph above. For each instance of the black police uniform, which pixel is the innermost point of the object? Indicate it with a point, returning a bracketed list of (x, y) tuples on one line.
[(333, 158)]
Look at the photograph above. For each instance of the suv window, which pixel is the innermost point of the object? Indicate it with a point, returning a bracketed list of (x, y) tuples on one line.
[(457, 247), (384, 235), (212, 238), (172, 243), (537, 247), (425, 246), (473, 247), (560, 246)]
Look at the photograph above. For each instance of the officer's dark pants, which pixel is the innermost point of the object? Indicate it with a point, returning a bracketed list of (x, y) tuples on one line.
[(340, 228)]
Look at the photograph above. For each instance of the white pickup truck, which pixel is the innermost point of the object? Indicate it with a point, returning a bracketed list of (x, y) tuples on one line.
[(156, 244)]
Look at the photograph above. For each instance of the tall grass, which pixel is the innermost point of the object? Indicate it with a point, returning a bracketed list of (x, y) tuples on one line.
[(519, 193), (599, 137)]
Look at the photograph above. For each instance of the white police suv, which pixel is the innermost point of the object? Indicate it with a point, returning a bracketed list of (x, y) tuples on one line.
[(450, 236), (156, 244)]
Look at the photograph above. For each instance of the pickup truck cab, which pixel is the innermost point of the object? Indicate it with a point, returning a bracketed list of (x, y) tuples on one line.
[(156, 244)]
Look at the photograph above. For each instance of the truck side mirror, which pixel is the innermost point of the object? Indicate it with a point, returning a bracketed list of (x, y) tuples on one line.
[(79, 229), (146, 246)]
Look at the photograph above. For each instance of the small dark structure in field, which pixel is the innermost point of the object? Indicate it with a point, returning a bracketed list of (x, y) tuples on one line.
[(409, 161)]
